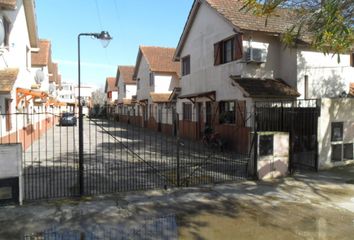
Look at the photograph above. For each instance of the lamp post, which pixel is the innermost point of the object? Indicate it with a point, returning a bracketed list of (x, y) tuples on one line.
[(105, 39)]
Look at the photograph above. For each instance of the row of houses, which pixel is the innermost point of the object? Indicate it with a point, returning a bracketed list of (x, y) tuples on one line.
[(227, 60), (30, 81)]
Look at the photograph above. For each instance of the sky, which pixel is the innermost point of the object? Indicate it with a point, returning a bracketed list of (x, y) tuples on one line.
[(130, 22)]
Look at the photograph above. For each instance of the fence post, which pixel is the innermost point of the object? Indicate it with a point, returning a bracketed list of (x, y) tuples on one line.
[(178, 164), (255, 140)]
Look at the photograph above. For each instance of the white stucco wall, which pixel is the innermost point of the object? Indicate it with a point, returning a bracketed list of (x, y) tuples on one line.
[(165, 83), (143, 74), (130, 91), (114, 95), (16, 55), (326, 76), (334, 110)]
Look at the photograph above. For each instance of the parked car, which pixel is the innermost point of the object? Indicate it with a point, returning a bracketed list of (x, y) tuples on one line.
[(67, 119)]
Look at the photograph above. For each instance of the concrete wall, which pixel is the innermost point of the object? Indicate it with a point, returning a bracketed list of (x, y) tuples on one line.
[(334, 110), (326, 76), (277, 164)]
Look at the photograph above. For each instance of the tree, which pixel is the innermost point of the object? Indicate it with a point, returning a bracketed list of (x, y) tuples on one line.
[(99, 99), (327, 24)]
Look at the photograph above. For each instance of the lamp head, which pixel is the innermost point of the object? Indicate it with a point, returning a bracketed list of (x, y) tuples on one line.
[(105, 38)]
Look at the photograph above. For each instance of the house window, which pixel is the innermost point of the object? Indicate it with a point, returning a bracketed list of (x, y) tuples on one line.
[(125, 89), (186, 66), (337, 131), (352, 59), (137, 84), (348, 153), (151, 79), (228, 47), (228, 50), (337, 152), (227, 112), (187, 111)]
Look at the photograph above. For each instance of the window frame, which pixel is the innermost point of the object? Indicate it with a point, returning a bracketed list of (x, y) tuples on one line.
[(229, 115), (335, 125), (151, 79), (220, 50), (187, 111), (186, 65)]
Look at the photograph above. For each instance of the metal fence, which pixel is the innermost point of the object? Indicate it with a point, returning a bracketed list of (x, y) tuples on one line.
[(117, 157), (300, 119)]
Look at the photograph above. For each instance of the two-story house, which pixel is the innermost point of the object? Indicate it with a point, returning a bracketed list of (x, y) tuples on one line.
[(126, 92), (20, 38), (231, 58), (112, 95), (156, 76)]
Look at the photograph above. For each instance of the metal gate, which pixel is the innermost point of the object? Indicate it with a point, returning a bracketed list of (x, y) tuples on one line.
[(300, 119), (117, 157)]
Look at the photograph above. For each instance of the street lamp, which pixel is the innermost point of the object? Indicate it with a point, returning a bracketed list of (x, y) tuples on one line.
[(105, 40)]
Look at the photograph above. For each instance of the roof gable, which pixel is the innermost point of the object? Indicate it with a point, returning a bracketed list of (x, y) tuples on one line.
[(159, 59), (111, 84), (125, 73)]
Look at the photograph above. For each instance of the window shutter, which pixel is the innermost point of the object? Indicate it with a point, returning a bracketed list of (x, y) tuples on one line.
[(217, 53), (352, 59), (238, 47), (241, 113)]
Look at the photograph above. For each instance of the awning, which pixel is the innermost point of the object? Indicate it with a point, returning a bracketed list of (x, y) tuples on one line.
[(127, 102), (22, 94), (265, 88), (143, 101), (160, 97), (193, 97), (8, 78)]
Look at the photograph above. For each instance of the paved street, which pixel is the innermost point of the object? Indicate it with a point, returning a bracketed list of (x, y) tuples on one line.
[(119, 157), (317, 206)]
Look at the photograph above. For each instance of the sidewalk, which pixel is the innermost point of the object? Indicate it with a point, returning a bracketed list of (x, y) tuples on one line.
[(305, 206)]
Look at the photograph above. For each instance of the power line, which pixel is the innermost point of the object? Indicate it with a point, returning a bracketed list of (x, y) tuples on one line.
[(99, 14)]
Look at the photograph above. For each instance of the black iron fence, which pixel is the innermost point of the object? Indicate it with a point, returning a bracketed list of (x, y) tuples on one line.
[(117, 157), (300, 119)]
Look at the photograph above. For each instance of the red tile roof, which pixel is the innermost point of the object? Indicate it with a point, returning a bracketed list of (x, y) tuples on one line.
[(8, 77), (42, 57), (111, 84), (8, 4), (266, 88), (160, 59), (231, 10), (53, 70), (126, 72)]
